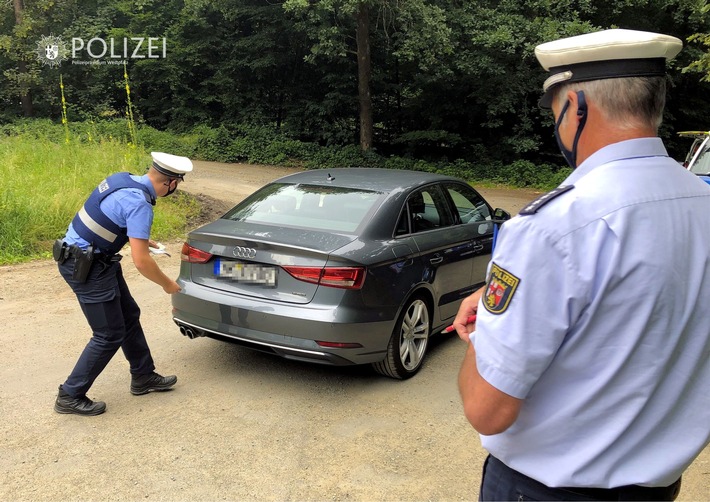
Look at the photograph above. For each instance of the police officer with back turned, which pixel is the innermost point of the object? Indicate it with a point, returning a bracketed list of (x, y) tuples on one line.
[(118, 211), (587, 368)]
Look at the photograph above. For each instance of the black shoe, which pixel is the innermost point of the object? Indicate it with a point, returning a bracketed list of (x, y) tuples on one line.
[(78, 405), (142, 384)]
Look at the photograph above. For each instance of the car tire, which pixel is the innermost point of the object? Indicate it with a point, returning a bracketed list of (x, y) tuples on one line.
[(407, 346)]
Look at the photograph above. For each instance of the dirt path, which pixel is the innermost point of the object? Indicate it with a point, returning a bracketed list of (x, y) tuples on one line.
[(239, 425), (222, 185), (233, 182)]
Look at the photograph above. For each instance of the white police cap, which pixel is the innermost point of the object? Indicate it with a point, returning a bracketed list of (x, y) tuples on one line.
[(604, 54), (171, 165)]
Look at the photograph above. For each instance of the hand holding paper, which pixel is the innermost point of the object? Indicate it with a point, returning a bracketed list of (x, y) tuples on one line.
[(158, 249)]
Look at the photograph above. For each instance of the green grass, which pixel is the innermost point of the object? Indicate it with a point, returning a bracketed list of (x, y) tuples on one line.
[(44, 180), (44, 183)]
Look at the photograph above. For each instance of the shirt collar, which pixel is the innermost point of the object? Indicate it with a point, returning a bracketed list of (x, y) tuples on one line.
[(145, 180), (629, 149)]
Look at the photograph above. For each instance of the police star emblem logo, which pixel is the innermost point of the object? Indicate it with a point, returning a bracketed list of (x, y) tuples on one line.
[(500, 289), (51, 51)]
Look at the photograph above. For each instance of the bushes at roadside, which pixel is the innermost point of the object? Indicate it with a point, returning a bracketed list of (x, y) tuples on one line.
[(264, 145)]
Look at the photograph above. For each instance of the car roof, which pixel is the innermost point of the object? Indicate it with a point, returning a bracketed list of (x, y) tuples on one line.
[(377, 179)]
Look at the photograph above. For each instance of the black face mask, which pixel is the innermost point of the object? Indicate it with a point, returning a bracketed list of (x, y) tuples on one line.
[(571, 156), (171, 190)]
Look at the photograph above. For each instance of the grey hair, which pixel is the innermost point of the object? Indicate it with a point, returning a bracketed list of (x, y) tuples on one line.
[(629, 103)]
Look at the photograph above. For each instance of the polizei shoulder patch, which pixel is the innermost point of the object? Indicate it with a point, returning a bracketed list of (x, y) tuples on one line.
[(535, 205), (500, 290)]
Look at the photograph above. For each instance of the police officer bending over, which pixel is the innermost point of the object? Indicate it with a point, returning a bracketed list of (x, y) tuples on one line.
[(588, 372), (118, 211)]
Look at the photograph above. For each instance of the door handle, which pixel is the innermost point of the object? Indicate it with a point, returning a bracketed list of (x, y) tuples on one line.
[(436, 260), (477, 246)]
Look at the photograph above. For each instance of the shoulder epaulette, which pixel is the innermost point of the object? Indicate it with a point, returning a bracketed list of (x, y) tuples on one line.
[(535, 205)]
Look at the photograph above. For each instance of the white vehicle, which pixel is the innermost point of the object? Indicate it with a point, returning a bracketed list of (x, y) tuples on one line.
[(698, 158)]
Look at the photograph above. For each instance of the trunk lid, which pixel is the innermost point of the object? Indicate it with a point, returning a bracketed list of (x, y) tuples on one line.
[(247, 260)]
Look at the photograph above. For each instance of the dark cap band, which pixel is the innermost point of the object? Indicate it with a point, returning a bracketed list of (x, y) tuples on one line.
[(164, 171), (600, 70)]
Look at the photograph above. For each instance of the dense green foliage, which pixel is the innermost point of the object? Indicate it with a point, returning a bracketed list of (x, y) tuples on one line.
[(45, 180), (262, 145), (450, 79)]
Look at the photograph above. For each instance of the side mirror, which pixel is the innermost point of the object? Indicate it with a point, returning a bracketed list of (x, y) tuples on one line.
[(500, 215)]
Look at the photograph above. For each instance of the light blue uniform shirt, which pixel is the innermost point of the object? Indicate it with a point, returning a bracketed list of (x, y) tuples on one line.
[(605, 334), (128, 209)]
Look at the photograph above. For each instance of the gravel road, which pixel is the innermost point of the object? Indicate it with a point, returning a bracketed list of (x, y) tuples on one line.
[(239, 425)]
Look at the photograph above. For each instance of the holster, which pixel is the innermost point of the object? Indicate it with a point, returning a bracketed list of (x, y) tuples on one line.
[(83, 259), (60, 251)]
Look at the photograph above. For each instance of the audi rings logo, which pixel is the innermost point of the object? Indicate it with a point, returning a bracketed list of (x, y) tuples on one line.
[(242, 252)]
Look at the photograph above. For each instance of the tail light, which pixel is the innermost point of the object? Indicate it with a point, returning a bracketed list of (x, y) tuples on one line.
[(193, 255), (334, 277)]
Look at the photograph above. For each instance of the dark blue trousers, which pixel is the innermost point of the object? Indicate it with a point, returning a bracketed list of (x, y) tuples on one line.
[(500, 482), (114, 318)]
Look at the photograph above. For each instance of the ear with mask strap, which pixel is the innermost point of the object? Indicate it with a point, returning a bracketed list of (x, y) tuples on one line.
[(171, 190), (582, 114), (581, 105), (571, 156)]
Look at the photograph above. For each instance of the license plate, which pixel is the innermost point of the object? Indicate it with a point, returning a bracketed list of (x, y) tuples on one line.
[(245, 272)]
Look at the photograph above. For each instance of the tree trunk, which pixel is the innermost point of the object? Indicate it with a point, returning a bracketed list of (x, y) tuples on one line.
[(25, 95), (364, 76)]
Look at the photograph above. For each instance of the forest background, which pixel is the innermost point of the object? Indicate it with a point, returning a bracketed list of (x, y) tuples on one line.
[(88, 87), (446, 82)]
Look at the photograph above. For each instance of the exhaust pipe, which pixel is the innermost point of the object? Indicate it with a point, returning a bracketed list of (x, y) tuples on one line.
[(189, 332)]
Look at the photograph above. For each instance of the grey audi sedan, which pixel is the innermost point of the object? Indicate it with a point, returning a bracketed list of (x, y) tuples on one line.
[(339, 267)]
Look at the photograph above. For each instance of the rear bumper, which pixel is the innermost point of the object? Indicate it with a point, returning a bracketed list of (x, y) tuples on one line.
[(194, 331), (289, 331)]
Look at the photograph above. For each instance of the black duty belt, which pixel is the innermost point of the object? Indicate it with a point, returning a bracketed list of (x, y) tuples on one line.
[(62, 252), (629, 492)]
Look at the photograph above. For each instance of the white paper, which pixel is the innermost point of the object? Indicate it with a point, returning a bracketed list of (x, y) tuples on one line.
[(158, 250)]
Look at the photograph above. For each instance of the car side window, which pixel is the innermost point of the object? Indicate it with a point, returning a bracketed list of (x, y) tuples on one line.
[(427, 210), (402, 227), (702, 163), (469, 206)]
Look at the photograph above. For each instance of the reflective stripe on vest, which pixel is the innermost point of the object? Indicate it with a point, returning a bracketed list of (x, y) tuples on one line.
[(92, 225)]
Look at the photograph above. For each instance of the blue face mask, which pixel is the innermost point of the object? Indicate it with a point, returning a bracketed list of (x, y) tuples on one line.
[(571, 155)]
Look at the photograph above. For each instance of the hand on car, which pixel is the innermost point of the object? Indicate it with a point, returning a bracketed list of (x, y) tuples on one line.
[(172, 288)]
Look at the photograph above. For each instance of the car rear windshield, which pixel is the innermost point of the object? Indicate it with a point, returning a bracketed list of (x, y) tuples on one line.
[(308, 206)]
